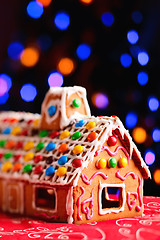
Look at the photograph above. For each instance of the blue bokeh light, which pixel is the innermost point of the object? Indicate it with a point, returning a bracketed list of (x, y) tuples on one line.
[(83, 51), (137, 17), (14, 50), (4, 98), (131, 120), (143, 58), (107, 19), (156, 135), (126, 60), (55, 79), (35, 9), (142, 78), (149, 157), (132, 37), (62, 20), (153, 104), (28, 92), (7, 79)]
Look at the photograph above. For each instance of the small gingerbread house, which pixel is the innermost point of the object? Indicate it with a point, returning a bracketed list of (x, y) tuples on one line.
[(90, 170)]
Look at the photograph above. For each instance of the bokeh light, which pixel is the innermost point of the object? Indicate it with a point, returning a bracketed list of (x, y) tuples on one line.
[(107, 19), (126, 60), (131, 120), (149, 157), (139, 134), (35, 9), (86, 1), (137, 17), (142, 78), (5, 83), (45, 3), (143, 58), (100, 100), (4, 98), (66, 66), (132, 37), (156, 176), (156, 135), (14, 50), (83, 51), (28, 92), (62, 20), (29, 56), (153, 104), (55, 79)]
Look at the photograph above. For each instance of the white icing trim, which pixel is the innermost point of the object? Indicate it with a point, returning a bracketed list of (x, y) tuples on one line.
[(69, 205), (111, 210)]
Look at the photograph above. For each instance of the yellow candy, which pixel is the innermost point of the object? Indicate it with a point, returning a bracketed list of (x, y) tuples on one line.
[(64, 134), (6, 166), (101, 163), (16, 131), (61, 171), (77, 149), (29, 145), (29, 156), (90, 125), (36, 123), (123, 162)]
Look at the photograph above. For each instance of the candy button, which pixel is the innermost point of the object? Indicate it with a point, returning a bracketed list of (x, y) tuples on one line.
[(50, 170), (54, 134), (112, 162), (63, 148), (29, 145), (101, 163), (17, 167), (61, 171), (52, 110), (13, 120), (7, 131), (17, 157), (2, 143), (19, 145), (123, 162), (43, 133), (64, 134), (90, 125), (36, 123), (80, 123), (40, 146), (92, 136), (24, 132), (50, 146), (49, 160), (29, 121), (38, 169), (8, 155), (112, 141), (29, 156), (76, 135), (77, 149), (76, 103), (27, 168), (62, 160), (1, 155), (16, 131), (77, 163), (38, 158), (7, 166), (10, 144)]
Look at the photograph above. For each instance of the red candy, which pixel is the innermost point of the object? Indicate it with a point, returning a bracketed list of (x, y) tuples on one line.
[(17, 157), (38, 169), (19, 145), (54, 134), (112, 141), (1, 155), (77, 163), (92, 136), (29, 121), (38, 158), (24, 132)]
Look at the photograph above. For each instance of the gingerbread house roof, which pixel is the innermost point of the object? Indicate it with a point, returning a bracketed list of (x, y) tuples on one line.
[(56, 157)]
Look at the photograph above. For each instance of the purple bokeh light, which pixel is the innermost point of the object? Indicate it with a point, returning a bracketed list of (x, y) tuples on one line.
[(55, 79)]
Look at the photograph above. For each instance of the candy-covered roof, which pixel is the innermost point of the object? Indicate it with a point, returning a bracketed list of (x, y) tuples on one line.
[(56, 157)]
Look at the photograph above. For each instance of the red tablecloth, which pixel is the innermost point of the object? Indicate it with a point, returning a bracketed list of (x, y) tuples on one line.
[(146, 227)]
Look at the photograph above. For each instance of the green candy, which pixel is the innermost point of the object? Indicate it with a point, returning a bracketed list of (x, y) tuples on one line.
[(40, 146), (43, 133), (8, 155), (112, 162), (76, 135), (76, 103), (2, 143), (27, 168)]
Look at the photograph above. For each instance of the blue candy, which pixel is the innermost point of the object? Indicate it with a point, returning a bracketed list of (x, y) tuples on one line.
[(50, 146), (50, 170), (52, 110), (62, 160), (80, 123), (7, 131)]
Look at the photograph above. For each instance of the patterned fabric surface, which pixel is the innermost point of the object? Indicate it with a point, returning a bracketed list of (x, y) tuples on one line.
[(140, 228)]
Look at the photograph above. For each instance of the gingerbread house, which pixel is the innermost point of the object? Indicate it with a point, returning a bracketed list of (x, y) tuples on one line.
[(90, 170)]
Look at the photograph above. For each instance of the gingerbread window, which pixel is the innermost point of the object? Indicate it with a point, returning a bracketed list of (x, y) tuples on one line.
[(112, 198)]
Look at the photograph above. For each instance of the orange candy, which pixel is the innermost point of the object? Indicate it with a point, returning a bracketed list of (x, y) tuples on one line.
[(63, 147), (17, 167), (10, 144), (92, 136)]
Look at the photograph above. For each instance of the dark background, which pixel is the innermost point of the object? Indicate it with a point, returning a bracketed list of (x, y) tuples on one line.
[(102, 71)]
